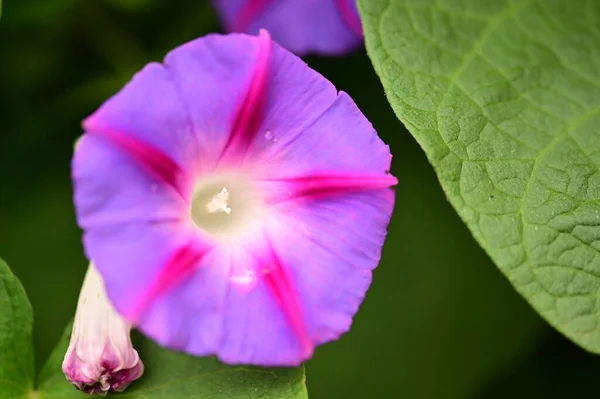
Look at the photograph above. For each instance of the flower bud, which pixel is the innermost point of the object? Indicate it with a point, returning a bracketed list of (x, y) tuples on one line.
[(100, 358)]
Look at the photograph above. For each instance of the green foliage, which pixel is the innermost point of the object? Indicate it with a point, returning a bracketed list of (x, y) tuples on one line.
[(16, 321), (167, 374), (174, 375), (504, 97)]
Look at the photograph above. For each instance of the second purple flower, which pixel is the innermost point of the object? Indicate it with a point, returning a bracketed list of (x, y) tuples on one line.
[(327, 27)]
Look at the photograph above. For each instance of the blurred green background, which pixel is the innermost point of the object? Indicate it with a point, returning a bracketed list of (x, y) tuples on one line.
[(440, 321)]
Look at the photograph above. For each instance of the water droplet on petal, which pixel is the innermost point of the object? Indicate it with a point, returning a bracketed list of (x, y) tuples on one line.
[(269, 135), (245, 279)]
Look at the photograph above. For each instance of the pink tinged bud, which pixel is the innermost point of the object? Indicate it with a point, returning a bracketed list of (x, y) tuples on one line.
[(100, 358)]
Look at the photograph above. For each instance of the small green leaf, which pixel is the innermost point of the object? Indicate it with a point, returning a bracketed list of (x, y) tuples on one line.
[(171, 375), (504, 97), (16, 350)]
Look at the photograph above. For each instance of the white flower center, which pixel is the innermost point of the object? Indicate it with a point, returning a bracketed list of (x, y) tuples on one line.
[(225, 206)]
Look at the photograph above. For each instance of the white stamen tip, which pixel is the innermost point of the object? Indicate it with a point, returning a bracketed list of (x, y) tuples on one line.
[(218, 203)]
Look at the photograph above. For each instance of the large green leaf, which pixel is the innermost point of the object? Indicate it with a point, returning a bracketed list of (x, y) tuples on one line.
[(16, 351), (504, 97), (171, 375)]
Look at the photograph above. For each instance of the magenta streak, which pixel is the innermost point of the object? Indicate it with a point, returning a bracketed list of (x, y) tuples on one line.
[(281, 286), (150, 158), (184, 261), (248, 13), (319, 186), (251, 110), (349, 16)]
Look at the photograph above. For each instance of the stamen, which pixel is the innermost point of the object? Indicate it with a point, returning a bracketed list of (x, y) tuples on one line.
[(224, 206), (218, 203)]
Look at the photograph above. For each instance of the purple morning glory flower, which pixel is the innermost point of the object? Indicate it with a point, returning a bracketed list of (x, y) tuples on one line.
[(330, 27), (234, 202)]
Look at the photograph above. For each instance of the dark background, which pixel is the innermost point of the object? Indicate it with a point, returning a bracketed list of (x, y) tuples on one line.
[(440, 321)]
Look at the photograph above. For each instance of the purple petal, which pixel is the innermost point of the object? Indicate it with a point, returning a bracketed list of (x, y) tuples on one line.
[(322, 186), (277, 279), (330, 247), (301, 26), (349, 12), (248, 10), (226, 81), (250, 112), (213, 312), (150, 109), (130, 164), (183, 262), (147, 157), (341, 141), (131, 256), (111, 189), (189, 316), (296, 97), (260, 325), (215, 75)]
